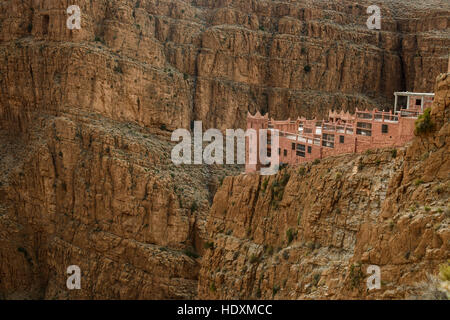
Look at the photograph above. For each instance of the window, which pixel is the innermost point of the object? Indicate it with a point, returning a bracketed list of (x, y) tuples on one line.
[(293, 146), (309, 149), (328, 140), (285, 152), (418, 102), (279, 151), (364, 132), (269, 152), (341, 139), (384, 128), (329, 137), (364, 125), (300, 150)]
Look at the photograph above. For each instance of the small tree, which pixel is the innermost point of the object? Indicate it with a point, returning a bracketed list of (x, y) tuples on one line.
[(424, 123)]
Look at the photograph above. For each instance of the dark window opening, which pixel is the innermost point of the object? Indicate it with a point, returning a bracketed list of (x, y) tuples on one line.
[(364, 125), (45, 23), (279, 151), (301, 153), (293, 146), (309, 149), (301, 147), (341, 139), (384, 128), (328, 144), (363, 132), (418, 102), (285, 152)]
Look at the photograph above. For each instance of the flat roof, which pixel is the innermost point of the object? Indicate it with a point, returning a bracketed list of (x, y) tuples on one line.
[(413, 94)]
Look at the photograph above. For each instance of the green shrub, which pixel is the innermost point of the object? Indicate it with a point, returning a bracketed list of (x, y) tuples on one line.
[(194, 206), (264, 185), (307, 68), (394, 153), (253, 258), (423, 123), (118, 69), (316, 279), (316, 161), (209, 245), (275, 289), (356, 275), (191, 253), (301, 171), (418, 182), (290, 234), (444, 271)]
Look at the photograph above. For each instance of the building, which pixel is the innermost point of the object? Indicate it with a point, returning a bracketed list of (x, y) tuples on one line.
[(304, 140)]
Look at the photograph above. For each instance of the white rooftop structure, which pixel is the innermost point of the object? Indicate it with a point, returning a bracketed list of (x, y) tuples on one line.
[(408, 94)]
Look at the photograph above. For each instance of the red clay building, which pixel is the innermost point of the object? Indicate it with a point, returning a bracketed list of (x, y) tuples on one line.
[(305, 140)]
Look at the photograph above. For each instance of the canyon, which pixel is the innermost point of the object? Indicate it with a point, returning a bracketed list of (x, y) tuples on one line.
[(85, 171)]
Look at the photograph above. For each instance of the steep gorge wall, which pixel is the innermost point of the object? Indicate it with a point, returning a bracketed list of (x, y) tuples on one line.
[(311, 231), (103, 196), (85, 171), (171, 62)]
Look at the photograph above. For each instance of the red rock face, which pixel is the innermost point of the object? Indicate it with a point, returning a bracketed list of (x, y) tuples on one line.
[(85, 115), (312, 230)]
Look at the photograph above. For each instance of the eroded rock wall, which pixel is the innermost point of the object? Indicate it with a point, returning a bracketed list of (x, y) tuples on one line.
[(311, 231)]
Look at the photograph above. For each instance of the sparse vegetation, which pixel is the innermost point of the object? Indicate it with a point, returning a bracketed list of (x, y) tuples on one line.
[(290, 234), (191, 253), (316, 279), (118, 69), (307, 68), (394, 153), (423, 123), (356, 275), (194, 206), (209, 245), (275, 289), (253, 258), (301, 171), (264, 185), (418, 182)]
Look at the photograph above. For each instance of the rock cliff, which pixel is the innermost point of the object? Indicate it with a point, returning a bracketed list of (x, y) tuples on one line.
[(311, 231), (85, 120), (170, 62)]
